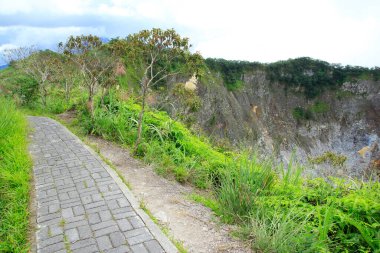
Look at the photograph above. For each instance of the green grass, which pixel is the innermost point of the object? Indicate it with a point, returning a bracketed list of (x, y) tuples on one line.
[(208, 201), (15, 165)]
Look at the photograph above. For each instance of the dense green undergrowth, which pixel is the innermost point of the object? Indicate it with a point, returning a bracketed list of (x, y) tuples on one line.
[(14, 179), (277, 209)]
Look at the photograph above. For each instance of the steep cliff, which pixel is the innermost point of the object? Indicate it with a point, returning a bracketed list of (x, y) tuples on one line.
[(334, 133)]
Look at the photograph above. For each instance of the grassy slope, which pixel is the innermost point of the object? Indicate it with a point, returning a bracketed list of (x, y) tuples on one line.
[(14, 179)]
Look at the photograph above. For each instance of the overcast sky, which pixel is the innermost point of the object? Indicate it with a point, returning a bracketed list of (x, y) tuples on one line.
[(337, 31)]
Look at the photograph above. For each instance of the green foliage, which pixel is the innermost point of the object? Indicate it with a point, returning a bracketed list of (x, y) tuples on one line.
[(309, 113), (307, 215), (341, 94), (300, 113), (309, 76), (167, 143), (235, 86), (232, 71), (14, 179), (240, 187), (314, 76), (329, 157), (16, 84), (320, 107), (209, 202)]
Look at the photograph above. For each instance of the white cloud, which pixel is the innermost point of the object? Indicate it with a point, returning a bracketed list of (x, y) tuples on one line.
[(45, 37), (343, 31), (7, 46)]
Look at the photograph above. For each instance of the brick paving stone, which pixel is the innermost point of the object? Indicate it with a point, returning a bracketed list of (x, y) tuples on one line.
[(139, 238), (88, 249), (50, 241), (124, 225), (120, 249), (139, 248), (106, 231), (52, 248), (85, 232), (104, 242), (94, 218), (153, 246), (72, 235), (55, 230), (83, 243), (117, 239), (80, 207)]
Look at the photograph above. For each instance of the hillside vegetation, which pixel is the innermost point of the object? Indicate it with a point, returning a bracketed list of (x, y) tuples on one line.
[(313, 76), (276, 209)]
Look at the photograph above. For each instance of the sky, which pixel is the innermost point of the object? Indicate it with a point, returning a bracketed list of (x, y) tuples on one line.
[(337, 31)]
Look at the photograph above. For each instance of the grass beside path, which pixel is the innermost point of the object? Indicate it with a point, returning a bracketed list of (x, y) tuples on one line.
[(15, 166)]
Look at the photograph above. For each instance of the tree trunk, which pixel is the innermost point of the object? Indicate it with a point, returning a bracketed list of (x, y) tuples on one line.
[(90, 102), (67, 91), (44, 96), (140, 121), (104, 93)]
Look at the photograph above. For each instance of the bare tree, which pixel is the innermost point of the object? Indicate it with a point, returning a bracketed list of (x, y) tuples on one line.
[(38, 65), (14, 55), (95, 64), (66, 74)]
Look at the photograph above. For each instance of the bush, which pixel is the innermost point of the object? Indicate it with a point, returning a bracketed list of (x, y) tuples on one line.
[(315, 76), (320, 107), (300, 113), (232, 71), (329, 157)]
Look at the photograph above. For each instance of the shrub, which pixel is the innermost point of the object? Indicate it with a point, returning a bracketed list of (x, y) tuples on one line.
[(300, 113), (320, 107), (232, 71), (329, 157)]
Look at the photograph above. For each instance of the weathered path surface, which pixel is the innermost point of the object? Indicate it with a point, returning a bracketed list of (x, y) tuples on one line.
[(82, 205)]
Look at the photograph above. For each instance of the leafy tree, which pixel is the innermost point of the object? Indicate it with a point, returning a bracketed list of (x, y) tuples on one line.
[(96, 65), (155, 55)]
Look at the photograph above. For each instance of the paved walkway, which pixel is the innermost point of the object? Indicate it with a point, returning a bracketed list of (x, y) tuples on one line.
[(82, 205)]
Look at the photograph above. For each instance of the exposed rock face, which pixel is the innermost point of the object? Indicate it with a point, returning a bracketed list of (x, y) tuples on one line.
[(260, 115)]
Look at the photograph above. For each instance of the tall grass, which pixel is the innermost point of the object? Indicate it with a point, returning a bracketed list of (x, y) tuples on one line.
[(14, 179)]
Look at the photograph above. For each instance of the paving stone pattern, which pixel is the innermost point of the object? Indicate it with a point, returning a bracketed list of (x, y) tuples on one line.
[(80, 207)]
